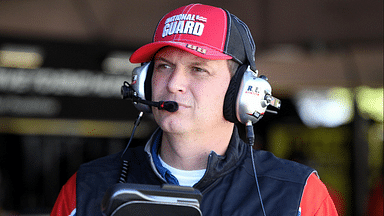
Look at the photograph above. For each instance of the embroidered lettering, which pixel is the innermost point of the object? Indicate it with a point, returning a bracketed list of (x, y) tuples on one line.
[(196, 48), (178, 27), (188, 29), (184, 24), (198, 29)]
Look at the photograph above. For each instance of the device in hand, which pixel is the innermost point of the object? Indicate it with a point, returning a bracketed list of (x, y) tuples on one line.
[(139, 199)]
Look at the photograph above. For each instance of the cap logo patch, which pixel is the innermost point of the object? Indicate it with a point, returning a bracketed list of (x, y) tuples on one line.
[(196, 48), (184, 24)]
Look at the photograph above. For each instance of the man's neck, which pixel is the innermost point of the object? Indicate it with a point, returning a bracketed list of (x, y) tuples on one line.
[(190, 151)]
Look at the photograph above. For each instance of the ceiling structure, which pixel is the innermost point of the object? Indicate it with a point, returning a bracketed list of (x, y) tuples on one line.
[(300, 43)]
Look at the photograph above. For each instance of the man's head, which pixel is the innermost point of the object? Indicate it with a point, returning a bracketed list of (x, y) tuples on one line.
[(199, 32)]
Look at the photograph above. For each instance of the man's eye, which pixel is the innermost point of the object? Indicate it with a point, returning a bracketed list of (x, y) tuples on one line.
[(197, 69), (162, 66)]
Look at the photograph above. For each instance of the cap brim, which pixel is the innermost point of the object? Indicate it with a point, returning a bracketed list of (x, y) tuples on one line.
[(146, 52)]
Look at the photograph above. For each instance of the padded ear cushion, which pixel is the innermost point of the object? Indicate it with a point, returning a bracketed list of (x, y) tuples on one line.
[(148, 82), (229, 108)]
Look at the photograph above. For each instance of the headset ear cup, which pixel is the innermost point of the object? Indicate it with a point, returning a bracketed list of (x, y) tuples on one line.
[(229, 108), (148, 82)]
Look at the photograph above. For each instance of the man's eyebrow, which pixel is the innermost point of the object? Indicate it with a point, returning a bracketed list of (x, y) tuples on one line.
[(199, 63), (193, 63), (163, 59)]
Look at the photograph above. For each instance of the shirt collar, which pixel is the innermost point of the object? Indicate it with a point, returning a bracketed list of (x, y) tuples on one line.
[(164, 172)]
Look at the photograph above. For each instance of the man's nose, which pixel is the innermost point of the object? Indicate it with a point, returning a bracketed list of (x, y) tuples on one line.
[(177, 82)]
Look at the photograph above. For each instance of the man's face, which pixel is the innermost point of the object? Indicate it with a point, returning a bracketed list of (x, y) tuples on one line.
[(198, 85)]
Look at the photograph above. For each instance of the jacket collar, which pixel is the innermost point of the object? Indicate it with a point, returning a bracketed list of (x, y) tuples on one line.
[(217, 166)]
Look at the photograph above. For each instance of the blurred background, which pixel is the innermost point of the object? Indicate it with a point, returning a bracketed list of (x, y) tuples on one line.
[(62, 63)]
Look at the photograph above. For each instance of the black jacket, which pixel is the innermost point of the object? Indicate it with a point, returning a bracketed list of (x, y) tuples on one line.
[(228, 186)]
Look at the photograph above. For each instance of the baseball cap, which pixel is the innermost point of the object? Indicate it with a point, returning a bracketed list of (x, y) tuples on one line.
[(205, 31)]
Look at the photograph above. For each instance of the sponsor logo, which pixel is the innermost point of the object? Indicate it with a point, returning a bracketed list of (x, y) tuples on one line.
[(250, 90), (197, 49), (201, 18), (184, 24)]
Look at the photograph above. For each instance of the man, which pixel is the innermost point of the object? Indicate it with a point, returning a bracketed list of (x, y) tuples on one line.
[(195, 54)]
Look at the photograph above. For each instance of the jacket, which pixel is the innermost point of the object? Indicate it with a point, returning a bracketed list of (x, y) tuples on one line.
[(228, 186)]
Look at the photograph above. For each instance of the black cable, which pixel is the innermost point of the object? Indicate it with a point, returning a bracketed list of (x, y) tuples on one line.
[(251, 139), (124, 168)]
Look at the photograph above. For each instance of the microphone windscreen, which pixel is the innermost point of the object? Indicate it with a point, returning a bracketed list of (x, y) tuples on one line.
[(170, 106)]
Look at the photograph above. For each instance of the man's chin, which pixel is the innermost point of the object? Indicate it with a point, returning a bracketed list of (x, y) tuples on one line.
[(174, 126)]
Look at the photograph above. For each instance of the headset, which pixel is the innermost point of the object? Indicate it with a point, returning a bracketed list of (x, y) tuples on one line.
[(246, 99)]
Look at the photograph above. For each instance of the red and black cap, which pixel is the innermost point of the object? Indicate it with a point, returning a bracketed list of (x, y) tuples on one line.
[(205, 31)]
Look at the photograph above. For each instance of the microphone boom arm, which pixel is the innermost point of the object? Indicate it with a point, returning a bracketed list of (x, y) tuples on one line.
[(127, 92)]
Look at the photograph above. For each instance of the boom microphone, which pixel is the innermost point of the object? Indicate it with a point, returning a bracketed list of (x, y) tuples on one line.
[(127, 92), (170, 106)]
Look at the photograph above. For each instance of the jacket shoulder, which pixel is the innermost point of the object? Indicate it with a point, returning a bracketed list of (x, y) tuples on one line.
[(101, 164), (94, 178), (270, 166), (110, 162)]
